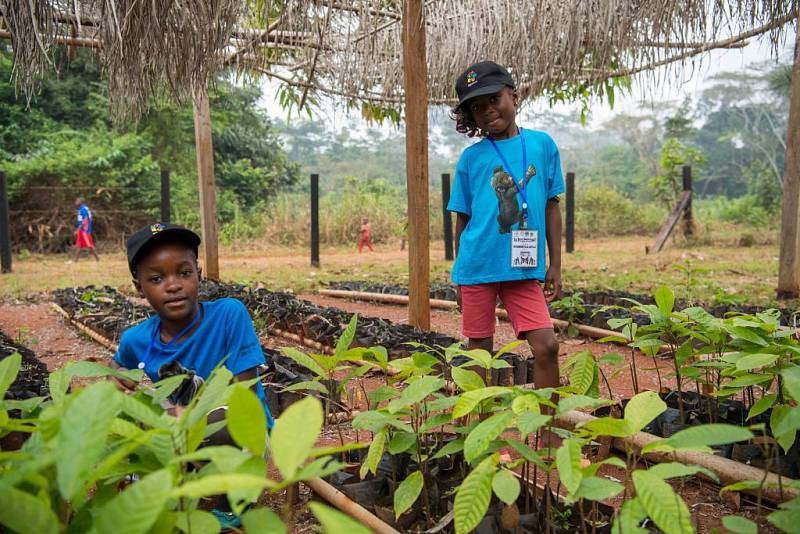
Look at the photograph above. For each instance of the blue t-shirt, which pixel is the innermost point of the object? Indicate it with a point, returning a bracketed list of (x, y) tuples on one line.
[(84, 219), (226, 330), (484, 191)]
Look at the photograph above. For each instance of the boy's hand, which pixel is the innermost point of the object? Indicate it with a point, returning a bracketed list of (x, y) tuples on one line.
[(124, 385), (552, 284), (458, 297)]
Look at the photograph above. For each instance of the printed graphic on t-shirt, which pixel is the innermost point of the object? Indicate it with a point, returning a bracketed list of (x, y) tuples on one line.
[(509, 209)]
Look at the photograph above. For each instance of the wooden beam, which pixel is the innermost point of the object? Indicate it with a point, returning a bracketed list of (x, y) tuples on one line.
[(415, 83), (5, 227), (688, 217), (674, 217), (570, 212), (205, 182), (789, 264), (165, 200), (315, 220)]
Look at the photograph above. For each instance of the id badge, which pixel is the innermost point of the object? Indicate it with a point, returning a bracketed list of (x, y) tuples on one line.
[(524, 247)]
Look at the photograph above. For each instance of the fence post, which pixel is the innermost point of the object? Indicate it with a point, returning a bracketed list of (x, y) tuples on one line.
[(446, 218), (165, 202), (315, 220), (688, 220), (570, 212), (5, 227)]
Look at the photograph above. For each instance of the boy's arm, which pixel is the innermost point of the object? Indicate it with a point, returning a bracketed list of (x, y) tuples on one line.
[(124, 384), (461, 222), (552, 280)]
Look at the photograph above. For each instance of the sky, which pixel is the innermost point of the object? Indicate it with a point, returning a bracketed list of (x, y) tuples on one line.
[(646, 93)]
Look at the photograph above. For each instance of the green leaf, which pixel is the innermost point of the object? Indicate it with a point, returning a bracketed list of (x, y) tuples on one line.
[(218, 484), (700, 437), (608, 426), (23, 512), (786, 520), (452, 447), (529, 422), (370, 464), (739, 332), (473, 496), (263, 521), (468, 401), (139, 504), (83, 434), (506, 486), (247, 423), (308, 385), (748, 380), (568, 463), (478, 440), (401, 442), (305, 360), (335, 522), (580, 401), (791, 381), (9, 367), (344, 341), (383, 393), (582, 374), (676, 469), (762, 405), (739, 486), (755, 361), (740, 525), (642, 409), (416, 392), (197, 522), (467, 380), (212, 395), (663, 505), (784, 422), (598, 489), (630, 516), (611, 358), (407, 493), (665, 300), (294, 435)]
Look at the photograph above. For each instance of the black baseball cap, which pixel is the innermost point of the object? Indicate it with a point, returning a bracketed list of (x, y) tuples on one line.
[(144, 238), (484, 78)]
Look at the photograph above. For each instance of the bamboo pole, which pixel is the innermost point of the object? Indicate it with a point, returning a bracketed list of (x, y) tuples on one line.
[(776, 488), (586, 330), (351, 508), (104, 341)]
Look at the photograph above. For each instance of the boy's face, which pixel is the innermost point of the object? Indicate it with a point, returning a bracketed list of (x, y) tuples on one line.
[(168, 277), (495, 113)]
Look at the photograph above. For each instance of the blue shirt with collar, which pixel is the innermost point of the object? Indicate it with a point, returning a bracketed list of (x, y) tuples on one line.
[(226, 331)]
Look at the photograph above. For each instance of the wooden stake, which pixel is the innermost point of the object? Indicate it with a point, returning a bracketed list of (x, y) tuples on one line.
[(5, 227), (165, 203), (789, 265), (688, 218), (315, 220), (447, 220), (205, 182), (415, 80), (570, 212)]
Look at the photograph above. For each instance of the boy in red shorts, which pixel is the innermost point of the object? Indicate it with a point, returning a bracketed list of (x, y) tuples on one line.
[(83, 230), (505, 196)]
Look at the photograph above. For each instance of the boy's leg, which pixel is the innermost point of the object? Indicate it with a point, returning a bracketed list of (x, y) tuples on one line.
[(544, 346), (478, 318)]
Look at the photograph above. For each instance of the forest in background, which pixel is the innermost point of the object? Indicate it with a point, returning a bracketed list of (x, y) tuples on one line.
[(628, 169)]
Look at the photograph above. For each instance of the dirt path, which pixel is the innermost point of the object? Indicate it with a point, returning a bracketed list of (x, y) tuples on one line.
[(47, 334)]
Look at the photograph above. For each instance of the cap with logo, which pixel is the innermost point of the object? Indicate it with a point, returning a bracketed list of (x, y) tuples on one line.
[(145, 238), (484, 78)]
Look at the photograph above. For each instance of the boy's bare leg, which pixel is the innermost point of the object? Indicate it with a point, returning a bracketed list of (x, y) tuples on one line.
[(96, 257), (544, 345)]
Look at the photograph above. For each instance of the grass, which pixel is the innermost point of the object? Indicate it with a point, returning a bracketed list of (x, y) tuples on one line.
[(708, 270)]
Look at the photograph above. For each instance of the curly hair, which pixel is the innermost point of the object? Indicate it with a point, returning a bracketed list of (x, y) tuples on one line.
[(465, 122)]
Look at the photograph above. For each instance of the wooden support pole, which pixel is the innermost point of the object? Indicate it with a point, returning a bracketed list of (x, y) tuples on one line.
[(570, 212), (446, 218), (415, 81), (315, 220), (5, 227), (205, 182), (789, 264), (165, 202), (688, 218)]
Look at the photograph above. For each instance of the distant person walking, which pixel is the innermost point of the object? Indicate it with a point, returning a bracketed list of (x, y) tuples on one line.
[(364, 237), (83, 230)]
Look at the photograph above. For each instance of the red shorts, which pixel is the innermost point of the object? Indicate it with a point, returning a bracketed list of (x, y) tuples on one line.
[(83, 239), (523, 299)]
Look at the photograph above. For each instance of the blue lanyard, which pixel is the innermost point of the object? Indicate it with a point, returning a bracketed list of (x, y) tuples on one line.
[(144, 361), (520, 185)]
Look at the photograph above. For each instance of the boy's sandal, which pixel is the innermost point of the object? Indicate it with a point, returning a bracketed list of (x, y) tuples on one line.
[(227, 520)]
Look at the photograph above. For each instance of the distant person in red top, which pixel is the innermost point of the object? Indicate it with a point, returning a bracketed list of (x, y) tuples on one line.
[(364, 239), (83, 230)]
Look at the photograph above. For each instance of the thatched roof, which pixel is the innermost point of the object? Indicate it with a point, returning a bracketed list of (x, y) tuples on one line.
[(352, 48)]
